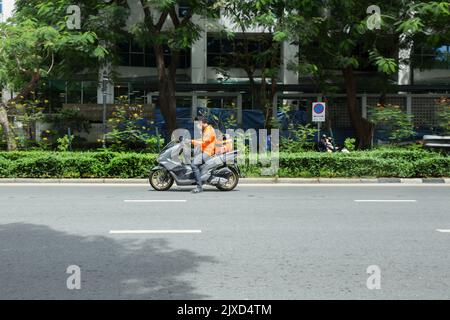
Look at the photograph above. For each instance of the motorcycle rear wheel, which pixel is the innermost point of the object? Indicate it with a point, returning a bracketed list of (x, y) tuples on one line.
[(161, 180), (231, 183)]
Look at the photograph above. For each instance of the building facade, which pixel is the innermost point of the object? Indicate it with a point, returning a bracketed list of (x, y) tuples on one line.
[(202, 67)]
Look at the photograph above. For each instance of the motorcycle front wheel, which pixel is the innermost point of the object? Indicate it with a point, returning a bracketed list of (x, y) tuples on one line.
[(231, 183), (161, 180)]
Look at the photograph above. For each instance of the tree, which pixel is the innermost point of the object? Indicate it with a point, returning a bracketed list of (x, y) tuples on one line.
[(36, 44), (257, 53), (271, 19), (163, 28), (345, 42)]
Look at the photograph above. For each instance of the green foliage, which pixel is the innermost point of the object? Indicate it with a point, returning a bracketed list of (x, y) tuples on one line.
[(301, 138), (443, 115), (350, 144), (66, 119), (392, 162), (126, 132), (393, 121), (64, 143)]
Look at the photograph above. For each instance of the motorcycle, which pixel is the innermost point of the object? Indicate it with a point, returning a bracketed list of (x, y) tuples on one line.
[(220, 170)]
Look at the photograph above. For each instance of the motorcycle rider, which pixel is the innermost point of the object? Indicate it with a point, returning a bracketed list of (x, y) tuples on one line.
[(203, 149)]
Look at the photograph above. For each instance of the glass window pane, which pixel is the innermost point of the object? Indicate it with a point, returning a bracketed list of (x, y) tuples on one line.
[(136, 60), (213, 45), (74, 92), (121, 91), (90, 92)]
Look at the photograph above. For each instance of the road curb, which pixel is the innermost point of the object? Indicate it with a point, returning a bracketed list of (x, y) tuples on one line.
[(244, 181)]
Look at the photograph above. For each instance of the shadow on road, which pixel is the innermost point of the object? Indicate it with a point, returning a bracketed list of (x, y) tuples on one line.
[(34, 260)]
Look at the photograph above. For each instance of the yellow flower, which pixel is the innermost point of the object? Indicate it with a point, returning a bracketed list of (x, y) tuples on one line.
[(45, 101), (45, 139)]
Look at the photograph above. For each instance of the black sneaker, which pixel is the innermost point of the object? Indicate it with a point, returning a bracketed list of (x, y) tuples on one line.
[(197, 190)]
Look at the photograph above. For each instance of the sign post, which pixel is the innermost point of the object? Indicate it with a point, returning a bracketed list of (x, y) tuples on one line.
[(318, 115)]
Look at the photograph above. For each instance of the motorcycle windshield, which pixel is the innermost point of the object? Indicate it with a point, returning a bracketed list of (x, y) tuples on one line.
[(168, 146)]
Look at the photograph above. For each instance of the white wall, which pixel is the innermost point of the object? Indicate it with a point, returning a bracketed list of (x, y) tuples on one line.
[(8, 7)]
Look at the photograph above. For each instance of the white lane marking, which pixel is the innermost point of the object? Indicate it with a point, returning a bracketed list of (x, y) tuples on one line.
[(150, 201), (153, 231), (385, 200), (443, 230), (268, 185)]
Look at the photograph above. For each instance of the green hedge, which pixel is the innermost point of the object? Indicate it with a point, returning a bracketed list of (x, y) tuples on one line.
[(378, 163)]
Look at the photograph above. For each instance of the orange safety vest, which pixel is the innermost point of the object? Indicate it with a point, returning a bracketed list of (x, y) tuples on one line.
[(208, 142)]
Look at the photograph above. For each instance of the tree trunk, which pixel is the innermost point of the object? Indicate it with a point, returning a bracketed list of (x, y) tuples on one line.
[(363, 128), (166, 86), (8, 132)]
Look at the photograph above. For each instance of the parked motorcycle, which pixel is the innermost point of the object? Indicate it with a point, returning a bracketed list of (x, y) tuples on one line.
[(220, 170)]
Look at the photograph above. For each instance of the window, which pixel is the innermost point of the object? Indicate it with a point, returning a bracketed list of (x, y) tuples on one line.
[(131, 54), (73, 91), (90, 91), (122, 92), (432, 58), (183, 9), (232, 53)]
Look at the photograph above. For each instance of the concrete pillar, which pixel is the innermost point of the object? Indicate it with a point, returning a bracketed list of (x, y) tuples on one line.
[(364, 105), (149, 97), (109, 88), (194, 105), (404, 67), (198, 55), (289, 54), (409, 104), (239, 108), (6, 95)]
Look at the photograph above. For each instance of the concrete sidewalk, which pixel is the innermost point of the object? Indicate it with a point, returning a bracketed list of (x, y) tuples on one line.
[(247, 181)]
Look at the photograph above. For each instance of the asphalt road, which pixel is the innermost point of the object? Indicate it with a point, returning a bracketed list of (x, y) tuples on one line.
[(258, 242)]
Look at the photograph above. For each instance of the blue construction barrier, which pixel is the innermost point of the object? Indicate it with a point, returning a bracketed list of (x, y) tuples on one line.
[(254, 119)]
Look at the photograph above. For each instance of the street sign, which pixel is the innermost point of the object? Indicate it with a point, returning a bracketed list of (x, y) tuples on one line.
[(318, 111)]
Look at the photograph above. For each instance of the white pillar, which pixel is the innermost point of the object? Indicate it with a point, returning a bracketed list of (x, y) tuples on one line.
[(8, 8), (404, 67), (198, 54), (289, 54), (6, 95)]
